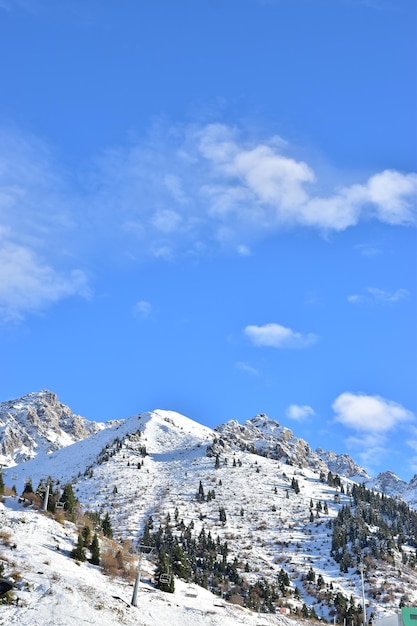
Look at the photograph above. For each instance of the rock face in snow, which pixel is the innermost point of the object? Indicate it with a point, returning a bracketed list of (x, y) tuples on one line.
[(389, 483), (267, 437), (39, 422), (343, 465)]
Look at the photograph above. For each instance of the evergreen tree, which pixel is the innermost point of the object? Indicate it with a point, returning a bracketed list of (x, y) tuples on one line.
[(28, 488), (200, 493), (146, 538), (222, 514), (295, 485), (95, 550), (78, 553), (69, 500), (1, 484), (86, 535), (106, 526)]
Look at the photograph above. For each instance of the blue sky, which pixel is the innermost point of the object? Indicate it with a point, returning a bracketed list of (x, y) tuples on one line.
[(209, 206)]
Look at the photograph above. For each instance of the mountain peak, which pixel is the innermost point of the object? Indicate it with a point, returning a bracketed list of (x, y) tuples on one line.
[(36, 422)]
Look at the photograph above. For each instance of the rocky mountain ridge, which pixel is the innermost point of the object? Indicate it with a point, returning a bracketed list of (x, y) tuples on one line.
[(39, 423)]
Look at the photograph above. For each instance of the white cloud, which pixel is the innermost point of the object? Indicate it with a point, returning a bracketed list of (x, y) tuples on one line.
[(370, 448), (373, 294), (392, 195), (245, 367), (299, 413), (244, 250), (277, 336), (182, 190), (369, 413), (143, 309), (38, 219), (175, 187), (28, 284), (261, 183), (213, 185), (166, 221), (368, 250)]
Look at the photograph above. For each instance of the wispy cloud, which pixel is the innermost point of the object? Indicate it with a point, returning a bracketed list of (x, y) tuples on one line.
[(368, 249), (299, 413), (143, 309), (277, 336), (373, 294), (188, 187), (28, 284), (369, 413), (266, 186), (249, 369), (412, 443), (37, 222), (370, 448), (371, 418), (28, 6), (183, 190)]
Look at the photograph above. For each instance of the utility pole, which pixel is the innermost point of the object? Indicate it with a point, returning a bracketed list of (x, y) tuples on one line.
[(362, 568)]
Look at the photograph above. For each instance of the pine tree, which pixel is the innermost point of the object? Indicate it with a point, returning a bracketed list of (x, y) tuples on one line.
[(1, 484), (146, 538), (106, 526), (95, 550), (78, 553), (86, 535), (69, 500), (28, 488), (222, 515), (200, 493)]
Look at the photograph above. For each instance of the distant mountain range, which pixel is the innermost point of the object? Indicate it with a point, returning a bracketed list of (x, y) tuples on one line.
[(39, 423), (287, 512)]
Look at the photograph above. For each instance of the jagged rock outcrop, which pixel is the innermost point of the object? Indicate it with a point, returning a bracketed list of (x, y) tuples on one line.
[(268, 438), (39, 422), (343, 465)]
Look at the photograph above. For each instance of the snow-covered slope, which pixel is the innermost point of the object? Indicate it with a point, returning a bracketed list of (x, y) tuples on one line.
[(54, 590)]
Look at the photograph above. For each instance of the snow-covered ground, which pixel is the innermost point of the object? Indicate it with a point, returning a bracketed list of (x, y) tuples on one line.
[(54, 590)]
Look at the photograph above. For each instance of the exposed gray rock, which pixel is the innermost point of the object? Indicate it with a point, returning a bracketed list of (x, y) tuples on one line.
[(39, 422)]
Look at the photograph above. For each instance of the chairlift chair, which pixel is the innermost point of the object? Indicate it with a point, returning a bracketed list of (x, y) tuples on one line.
[(165, 578)]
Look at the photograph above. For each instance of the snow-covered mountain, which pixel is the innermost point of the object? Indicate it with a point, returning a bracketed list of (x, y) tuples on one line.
[(267, 437), (52, 589), (255, 487), (39, 423)]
